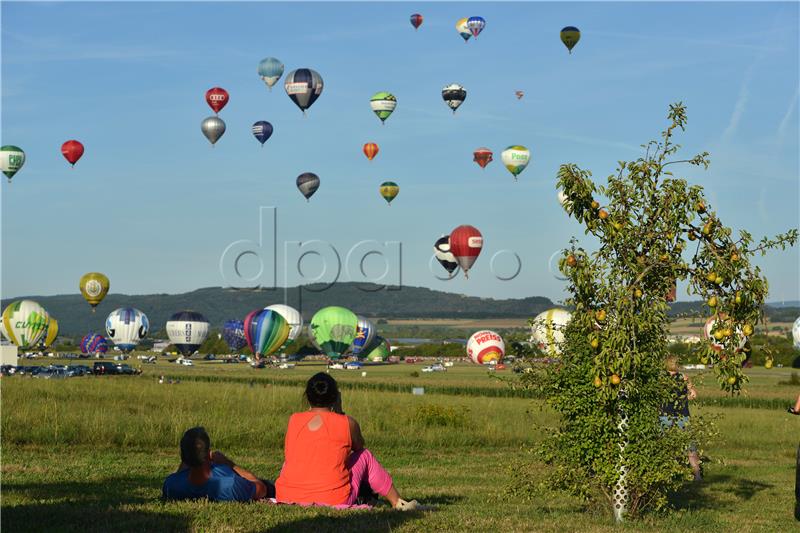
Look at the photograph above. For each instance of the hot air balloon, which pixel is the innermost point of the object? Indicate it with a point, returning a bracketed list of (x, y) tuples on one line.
[(465, 244), (266, 331), (262, 130), (292, 317), (383, 105), (485, 347), (50, 334), (308, 183), (710, 329), (365, 334), (389, 191), (94, 287), (371, 150), (24, 323), (516, 158), (72, 150), (416, 20), (126, 326), (547, 330), (476, 25), (11, 160), (380, 351), (519, 94), (333, 329), (482, 156), (217, 98), (92, 344), (304, 87), (463, 30), (270, 69), (570, 37), (213, 128), (443, 254), (187, 330), (233, 334), (796, 333), (454, 95)]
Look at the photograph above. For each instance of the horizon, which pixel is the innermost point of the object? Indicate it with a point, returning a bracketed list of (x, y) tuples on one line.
[(154, 207)]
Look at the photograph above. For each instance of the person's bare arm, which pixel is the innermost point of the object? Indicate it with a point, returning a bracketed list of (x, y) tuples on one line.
[(220, 459), (691, 392), (356, 439)]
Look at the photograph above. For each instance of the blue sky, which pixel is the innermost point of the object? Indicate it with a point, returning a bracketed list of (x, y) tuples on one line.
[(152, 205)]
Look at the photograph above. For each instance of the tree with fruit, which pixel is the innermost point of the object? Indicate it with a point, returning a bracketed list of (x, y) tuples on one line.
[(654, 230)]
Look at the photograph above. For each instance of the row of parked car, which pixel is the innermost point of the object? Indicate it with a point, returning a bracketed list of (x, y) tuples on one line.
[(100, 368)]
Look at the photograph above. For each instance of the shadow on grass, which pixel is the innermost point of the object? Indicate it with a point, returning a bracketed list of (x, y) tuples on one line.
[(99, 505), (381, 520), (701, 495)]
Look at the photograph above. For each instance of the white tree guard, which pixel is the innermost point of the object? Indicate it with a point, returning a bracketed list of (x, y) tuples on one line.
[(620, 496)]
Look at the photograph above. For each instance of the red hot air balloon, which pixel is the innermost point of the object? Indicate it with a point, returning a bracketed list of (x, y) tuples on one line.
[(72, 150), (217, 98), (465, 245), (370, 150), (416, 20), (482, 156)]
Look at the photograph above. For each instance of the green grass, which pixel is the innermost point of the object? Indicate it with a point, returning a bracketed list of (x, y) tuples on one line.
[(90, 454)]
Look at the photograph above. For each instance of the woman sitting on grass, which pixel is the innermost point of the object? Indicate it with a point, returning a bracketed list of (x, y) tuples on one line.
[(325, 458)]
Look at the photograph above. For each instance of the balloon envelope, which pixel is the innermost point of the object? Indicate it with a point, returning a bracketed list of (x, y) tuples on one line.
[(72, 151), (217, 98), (292, 317), (24, 322), (11, 160), (570, 37), (454, 95), (482, 156), (476, 25), (443, 254), (371, 150), (308, 183), (547, 330), (270, 69), (383, 104), (94, 287), (365, 334), (485, 346), (187, 330), (303, 86), (389, 190), (380, 351), (93, 343), (50, 333), (416, 20), (463, 30), (796, 333), (126, 326), (266, 331), (262, 130), (233, 334), (516, 158), (333, 329), (466, 243), (213, 128)]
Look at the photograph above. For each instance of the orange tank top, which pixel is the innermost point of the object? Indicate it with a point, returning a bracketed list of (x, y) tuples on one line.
[(314, 468)]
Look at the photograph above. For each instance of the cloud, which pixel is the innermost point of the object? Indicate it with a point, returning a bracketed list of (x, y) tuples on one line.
[(785, 122), (741, 104), (60, 50)]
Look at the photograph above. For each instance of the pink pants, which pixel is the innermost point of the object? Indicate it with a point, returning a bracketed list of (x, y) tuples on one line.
[(364, 467)]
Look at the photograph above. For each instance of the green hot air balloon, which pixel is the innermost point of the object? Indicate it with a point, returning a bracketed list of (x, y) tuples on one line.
[(333, 330), (389, 190), (383, 105), (11, 160), (380, 350), (570, 37)]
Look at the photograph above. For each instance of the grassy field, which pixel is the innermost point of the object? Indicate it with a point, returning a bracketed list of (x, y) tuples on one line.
[(90, 454)]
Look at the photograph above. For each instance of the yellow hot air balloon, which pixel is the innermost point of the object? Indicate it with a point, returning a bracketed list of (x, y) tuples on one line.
[(50, 333), (389, 190), (94, 287)]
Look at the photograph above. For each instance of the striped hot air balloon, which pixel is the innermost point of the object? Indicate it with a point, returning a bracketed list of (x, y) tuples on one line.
[(303, 86), (383, 104), (24, 323), (266, 331), (187, 330), (371, 150), (270, 70), (547, 330), (485, 347), (365, 334), (93, 344), (50, 334)]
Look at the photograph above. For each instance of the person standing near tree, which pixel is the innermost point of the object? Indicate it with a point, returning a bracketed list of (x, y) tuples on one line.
[(676, 412)]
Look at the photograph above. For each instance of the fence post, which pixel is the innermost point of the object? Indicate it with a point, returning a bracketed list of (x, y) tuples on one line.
[(621, 488)]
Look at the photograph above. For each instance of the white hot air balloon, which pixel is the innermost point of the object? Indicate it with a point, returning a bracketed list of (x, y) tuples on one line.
[(187, 330), (485, 347), (796, 333), (515, 158), (24, 322), (547, 330), (292, 317), (365, 334), (126, 326)]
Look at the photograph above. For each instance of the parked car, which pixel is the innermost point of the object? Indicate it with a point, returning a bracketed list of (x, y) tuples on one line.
[(286, 366), (79, 370), (104, 368), (185, 362), (353, 365), (8, 370), (336, 366), (210, 357), (126, 370), (150, 360)]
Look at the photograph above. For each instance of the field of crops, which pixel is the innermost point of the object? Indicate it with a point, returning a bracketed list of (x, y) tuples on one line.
[(90, 454)]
